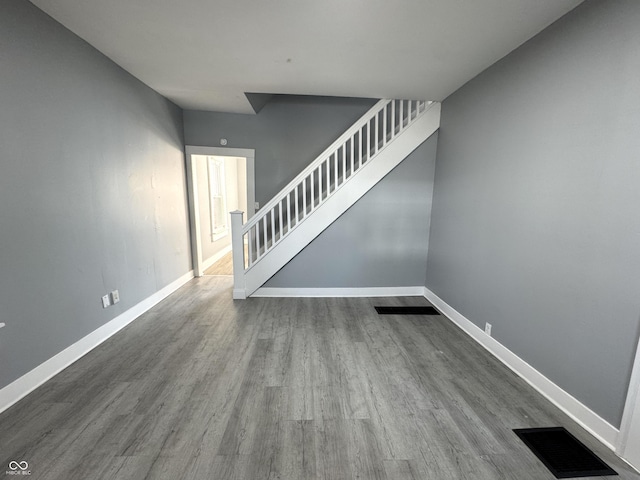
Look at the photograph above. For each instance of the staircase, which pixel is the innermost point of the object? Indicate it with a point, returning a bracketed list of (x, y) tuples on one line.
[(333, 182)]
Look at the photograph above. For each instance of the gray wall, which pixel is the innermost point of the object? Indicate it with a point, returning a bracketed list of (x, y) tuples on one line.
[(535, 223), (92, 189), (381, 241), (287, 134)]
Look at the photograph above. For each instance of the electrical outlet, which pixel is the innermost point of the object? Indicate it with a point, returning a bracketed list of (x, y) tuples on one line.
[(487, 328), (105, 301), (256, 206), (115, 297)]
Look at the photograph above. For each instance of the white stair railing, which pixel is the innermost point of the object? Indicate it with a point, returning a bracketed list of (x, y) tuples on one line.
[(343, 159)]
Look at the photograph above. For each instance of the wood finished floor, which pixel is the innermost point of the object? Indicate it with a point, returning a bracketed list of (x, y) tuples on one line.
[(204, 387), (224, 266)]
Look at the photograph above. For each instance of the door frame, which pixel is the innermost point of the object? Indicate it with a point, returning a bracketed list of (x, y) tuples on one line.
[(630, 414), (192, 193)]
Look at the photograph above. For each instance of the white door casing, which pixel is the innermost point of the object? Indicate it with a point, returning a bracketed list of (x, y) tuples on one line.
[(629, 439), (192, 191)]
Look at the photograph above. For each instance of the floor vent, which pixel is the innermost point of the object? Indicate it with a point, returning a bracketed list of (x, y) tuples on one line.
[(406, 311), (563, 454)]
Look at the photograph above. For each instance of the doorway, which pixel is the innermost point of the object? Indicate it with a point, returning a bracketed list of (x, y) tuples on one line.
[(220, 180)]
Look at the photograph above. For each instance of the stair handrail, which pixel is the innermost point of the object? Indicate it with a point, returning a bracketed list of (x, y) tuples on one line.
[(278, 197)]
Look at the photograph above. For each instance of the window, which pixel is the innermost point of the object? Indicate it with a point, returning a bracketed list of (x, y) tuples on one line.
[(217, 198)]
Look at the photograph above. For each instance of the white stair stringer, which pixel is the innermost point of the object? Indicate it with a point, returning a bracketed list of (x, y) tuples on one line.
[(341, 200)]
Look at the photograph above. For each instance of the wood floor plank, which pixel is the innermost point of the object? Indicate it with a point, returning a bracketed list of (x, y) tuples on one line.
[(240, 429), (298, 454), (204, 386), (365, 451), (332, 455), (267, 447), (400, 470), (300, 404), (224, 266)]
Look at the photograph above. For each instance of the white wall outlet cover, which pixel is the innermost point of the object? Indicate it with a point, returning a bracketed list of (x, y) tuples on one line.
[(105, 301), (487, 328), (256, 205), (115, 296)]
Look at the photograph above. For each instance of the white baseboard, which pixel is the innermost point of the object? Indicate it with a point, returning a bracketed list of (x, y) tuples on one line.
[(24, 385), (215, 257), (340, 292), (587, 418)]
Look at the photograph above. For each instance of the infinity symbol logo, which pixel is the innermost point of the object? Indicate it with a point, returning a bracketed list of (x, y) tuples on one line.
[(13, 465)]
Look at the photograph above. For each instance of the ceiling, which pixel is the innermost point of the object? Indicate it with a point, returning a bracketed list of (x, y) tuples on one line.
[(205, 54)]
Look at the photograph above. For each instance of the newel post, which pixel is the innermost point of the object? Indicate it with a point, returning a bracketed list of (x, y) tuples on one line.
[(237, 245)]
